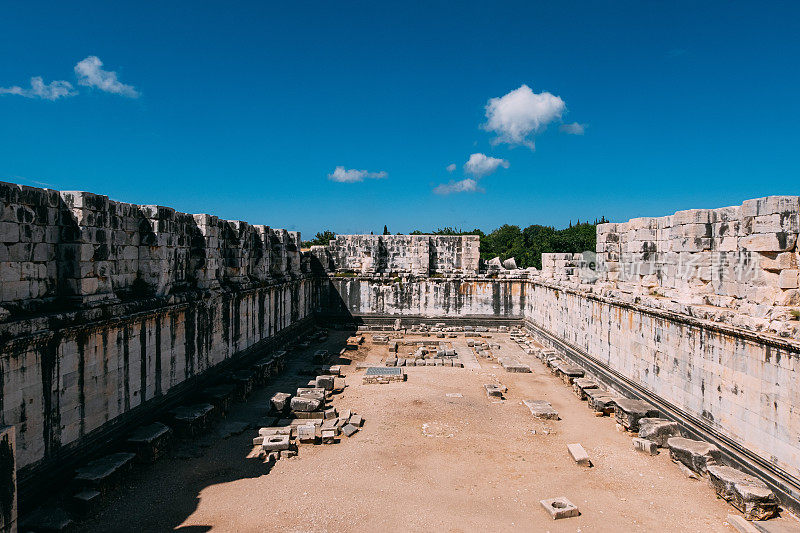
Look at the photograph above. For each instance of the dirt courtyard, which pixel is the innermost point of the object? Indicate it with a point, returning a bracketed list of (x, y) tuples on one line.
[(434, 454)]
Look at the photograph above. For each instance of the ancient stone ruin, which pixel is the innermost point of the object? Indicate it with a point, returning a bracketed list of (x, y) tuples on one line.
[(114, 318)]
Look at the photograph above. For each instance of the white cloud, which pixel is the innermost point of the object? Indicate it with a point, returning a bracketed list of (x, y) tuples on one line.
[(576, 128), (343, 175), (518, 115), (52, 91), (91, 75), (480, 165), (465, 185), (451, 167)]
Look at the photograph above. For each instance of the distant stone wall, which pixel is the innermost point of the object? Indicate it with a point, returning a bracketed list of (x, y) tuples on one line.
[(465, 297), (87, 249), (401, 254)]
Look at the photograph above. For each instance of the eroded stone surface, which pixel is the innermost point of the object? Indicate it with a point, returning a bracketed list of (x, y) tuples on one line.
[(748, 494), (658, 430), (541, 409), (628, 412), (694, 454)]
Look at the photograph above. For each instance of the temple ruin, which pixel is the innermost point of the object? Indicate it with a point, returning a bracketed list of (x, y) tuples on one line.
[(113, 316)]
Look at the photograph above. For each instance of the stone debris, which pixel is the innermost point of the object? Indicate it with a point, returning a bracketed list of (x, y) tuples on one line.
[(569, 372), (559, 508), (541, 409), (305, 404), (149, 442), (325, 382), (600, 401), (645, 446), (280, 401), (748, 494), (349, 430), (328, 436), (307, 433), (628, 412), (495, 390), (579, 454), (581, 385), (658, 430), (694, 454), (512, 364)]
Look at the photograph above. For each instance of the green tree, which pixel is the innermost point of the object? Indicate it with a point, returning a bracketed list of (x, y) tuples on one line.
[(320, 239)]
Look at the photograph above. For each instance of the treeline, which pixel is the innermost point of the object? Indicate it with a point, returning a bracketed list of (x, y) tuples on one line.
[(525, 245)]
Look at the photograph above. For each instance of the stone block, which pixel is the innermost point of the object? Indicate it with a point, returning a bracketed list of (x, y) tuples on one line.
[(658, 430), (86, 502), (559, 508), (628, 412), (149, 442), (349, 430), (190, 420), (280, 401), (273, 443), (581, 385), (748, 494), (645, 446), (694, 454), (600, 401), (579, 454), (305, 404), (105, 473), (494, 390), (541, 409), (328, 436), (512, 364), (307, 433), (325, 382)]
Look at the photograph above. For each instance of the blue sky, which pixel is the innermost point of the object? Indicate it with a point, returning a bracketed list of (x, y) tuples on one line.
[(245, 109)]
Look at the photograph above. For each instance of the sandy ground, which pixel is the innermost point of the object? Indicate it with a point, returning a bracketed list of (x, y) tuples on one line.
[(424, 461)]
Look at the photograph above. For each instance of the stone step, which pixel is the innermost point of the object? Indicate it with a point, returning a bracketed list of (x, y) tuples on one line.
[(105, 473), (694, 454), (581, 385), (748, 494), (628, 412), (220, 396), (658, 430), (601, 401), (191, 420), (149, 442)]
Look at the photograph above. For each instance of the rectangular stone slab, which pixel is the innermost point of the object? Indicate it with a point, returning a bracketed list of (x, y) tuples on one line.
[(541, 409), (579, 454)]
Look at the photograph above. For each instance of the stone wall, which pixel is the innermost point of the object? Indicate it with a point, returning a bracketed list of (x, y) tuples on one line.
[(401, 254), (741, 256), (742, 385), (82, 248), (110, 312), (475, 297)]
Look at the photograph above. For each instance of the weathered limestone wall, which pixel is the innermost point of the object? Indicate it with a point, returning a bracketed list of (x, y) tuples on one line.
[(85, 248), (109, 311), (401, 254), (741, 256), (424, 297), (742, 384)]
